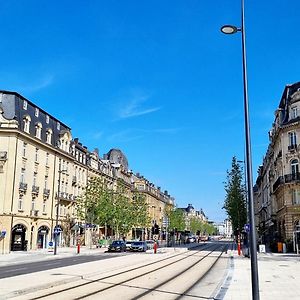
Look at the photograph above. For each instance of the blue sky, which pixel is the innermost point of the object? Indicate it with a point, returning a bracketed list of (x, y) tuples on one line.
[(155, 79)]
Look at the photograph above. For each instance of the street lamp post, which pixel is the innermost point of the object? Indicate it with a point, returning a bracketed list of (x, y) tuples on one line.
[(229, 29), (57, 210)]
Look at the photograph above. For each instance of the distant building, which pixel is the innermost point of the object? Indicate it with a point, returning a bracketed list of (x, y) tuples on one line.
[(190, 212), (228, 228)]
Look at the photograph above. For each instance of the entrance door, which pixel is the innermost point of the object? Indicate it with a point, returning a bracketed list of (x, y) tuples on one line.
[(42, 238), (18, 242)]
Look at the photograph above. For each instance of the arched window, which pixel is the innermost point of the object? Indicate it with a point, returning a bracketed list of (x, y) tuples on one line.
[(26, 121), (38, 130), (294, 167)]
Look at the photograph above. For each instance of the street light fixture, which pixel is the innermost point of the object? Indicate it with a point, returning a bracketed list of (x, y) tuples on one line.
[(230, 29), (57, 210)]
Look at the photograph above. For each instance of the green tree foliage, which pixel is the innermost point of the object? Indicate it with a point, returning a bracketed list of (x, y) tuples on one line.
[(176, 218), (104, 206), (235, 200), (204, 228)]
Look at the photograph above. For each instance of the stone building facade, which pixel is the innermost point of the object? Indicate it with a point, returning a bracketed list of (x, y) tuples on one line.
[(277, 189), (43, 171)]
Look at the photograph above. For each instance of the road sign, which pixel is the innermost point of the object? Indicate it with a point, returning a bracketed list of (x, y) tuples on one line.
[(247, 227), (165, 222)]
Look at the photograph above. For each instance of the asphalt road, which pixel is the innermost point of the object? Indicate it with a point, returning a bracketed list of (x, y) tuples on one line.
[(38, 266)]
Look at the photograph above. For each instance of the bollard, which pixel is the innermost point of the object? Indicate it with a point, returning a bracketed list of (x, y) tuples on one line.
[(155, 247), (78, 248), (239, 245)]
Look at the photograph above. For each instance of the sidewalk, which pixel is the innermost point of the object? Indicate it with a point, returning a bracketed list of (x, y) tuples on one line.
[(278, 274)]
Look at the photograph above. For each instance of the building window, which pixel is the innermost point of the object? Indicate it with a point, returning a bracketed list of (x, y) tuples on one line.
[(38, 130), (27, 121), (20, 203), (47, 159), (292, 138), (58, 126), (47, 119), (34, 178), (22, 177), (49, 136), (36, 112), (294, 112), (46, 182), (44, 206), (36, 154), (24, 149), (295, 197), (25, 104), (294, 166), (33, 204)]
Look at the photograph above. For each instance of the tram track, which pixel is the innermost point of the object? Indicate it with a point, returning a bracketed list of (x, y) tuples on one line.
[(59, 292)]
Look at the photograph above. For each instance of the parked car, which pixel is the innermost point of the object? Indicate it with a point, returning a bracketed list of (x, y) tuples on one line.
[(191, 239), (117, 246), (128, 245), (138, 246), (150, 244)]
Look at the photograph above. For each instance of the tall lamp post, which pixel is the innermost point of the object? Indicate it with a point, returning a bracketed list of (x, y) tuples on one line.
[(57, 210), (230, 29)]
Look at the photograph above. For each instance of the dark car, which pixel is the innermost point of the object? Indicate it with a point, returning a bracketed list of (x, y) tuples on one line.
[(117, 246), (138, 246)]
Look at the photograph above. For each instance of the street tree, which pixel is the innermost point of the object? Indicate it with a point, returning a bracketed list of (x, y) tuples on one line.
[(176, 218), (235, 199)]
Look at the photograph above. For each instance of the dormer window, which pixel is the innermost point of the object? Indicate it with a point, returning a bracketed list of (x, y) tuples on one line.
[(36, 112), (58, 126), (47, 119), (38, 130), (27, 121), (49, 136), (25, 104)]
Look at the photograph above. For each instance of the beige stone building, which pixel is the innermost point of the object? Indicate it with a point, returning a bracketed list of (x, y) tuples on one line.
[(157, 201), (277, 189), (43, 171)]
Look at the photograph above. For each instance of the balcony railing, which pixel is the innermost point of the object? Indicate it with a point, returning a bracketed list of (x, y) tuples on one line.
[(292, 147), (66, 197), (35, 189), (46, 192), (278, 182), (23, 186), (294, 177), (34, 213)]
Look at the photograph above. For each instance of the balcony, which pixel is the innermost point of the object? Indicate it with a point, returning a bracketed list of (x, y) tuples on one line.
[(46, 192), (292, 147), (292, 177), (35, 189), (288, 178), (34, 213), (23, 187), (278, 182), (66, 197)]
